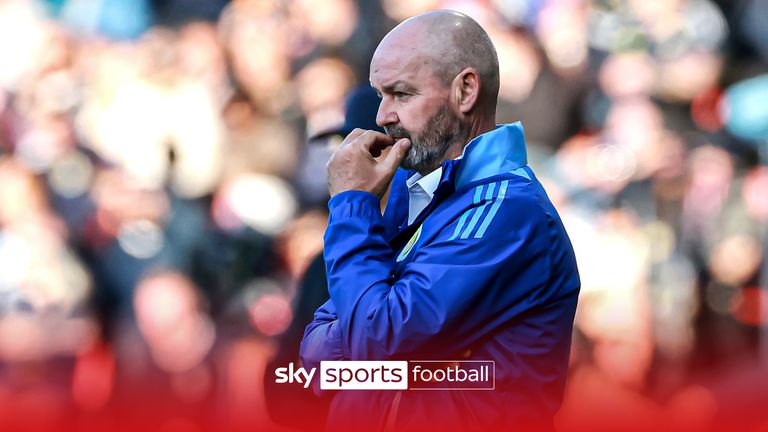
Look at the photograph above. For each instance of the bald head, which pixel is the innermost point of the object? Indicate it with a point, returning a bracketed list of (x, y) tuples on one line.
[(448, 42), (438, 78)]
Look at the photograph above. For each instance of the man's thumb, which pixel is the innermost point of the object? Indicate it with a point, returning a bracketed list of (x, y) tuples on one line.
[(396, 155)]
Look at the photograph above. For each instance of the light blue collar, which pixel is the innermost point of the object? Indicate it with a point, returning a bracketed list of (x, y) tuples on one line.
[(499, 151)]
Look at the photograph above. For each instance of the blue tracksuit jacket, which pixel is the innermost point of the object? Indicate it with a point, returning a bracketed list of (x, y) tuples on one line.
[(485, 272)]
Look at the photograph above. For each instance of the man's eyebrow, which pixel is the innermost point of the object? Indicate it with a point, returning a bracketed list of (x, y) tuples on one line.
[(399, 83)]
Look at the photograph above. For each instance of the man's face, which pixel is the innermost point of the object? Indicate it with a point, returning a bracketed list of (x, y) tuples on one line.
[(414, 104)]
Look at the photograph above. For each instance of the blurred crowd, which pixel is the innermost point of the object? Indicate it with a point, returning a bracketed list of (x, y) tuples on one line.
[(161, 196)]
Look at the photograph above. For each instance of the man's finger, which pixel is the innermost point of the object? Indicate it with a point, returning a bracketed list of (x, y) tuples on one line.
[(355, 134), (374, 142), (396, 155)]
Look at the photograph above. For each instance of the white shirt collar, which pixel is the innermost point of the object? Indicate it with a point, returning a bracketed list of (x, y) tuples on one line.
[(420, 192), (428, 183)]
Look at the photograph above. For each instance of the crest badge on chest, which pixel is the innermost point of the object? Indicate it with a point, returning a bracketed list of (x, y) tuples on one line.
[(409, 246)]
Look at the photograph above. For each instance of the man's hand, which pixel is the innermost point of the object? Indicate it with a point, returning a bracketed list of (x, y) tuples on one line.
[(354, 165)]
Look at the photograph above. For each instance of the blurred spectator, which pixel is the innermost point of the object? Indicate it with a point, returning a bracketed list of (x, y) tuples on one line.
[(303, 251)]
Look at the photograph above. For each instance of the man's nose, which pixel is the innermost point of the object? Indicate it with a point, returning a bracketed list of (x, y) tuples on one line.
[(385, 116)]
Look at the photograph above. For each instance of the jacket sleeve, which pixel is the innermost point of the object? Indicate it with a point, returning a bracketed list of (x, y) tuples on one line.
[(455, 290), (322, 338)]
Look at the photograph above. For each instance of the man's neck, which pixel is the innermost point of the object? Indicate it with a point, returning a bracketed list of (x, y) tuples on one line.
[(477, 127)]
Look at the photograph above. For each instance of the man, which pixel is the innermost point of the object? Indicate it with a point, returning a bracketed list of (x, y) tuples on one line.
[(469, 260)]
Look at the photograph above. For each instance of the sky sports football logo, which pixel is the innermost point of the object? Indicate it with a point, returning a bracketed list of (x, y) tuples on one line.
[(394, 375)]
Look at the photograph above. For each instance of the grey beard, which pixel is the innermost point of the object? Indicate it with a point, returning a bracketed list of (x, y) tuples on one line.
[(423, 157), (428, 151)]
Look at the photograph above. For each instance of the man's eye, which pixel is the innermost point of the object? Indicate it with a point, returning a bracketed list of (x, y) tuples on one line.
[(400, 95)]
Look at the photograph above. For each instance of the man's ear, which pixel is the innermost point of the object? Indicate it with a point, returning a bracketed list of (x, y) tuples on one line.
[(466, 89)]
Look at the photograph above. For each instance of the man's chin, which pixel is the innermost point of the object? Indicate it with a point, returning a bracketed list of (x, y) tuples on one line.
[(409, 164), (421, 168), (421, 161)]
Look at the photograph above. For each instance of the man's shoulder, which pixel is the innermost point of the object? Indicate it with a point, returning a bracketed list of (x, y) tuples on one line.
[(492, 209), (513, 189)]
